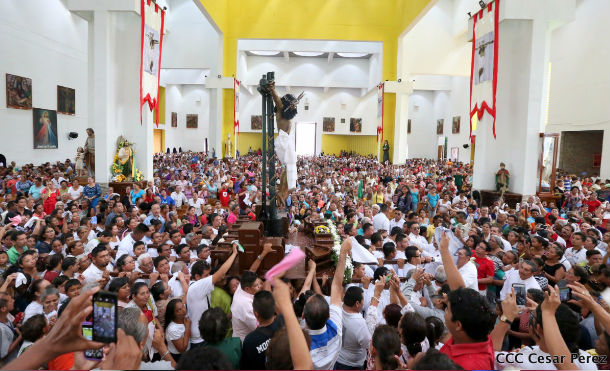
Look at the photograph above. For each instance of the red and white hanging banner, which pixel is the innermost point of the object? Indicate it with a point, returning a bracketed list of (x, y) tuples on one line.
[(484, 67), (380, 91), (235, 106), (153, 18)]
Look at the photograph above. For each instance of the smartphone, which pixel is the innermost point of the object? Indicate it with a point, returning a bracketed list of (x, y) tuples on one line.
[(388, 277), (91, 354), (105, 313), (520, 293), (240, 248), (565, 294)]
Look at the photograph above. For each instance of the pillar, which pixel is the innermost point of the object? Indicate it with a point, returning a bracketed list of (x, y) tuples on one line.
[(521, 99), (99, 65), (401, 148)]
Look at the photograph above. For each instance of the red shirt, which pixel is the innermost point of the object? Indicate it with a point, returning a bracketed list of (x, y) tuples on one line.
[(593, 205), (485, 268), (471, 356), (223, 195)]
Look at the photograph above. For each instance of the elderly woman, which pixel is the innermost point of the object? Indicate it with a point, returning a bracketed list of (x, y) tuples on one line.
[(140, 298)]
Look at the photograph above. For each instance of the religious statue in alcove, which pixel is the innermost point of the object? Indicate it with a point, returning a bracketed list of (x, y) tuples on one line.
[(386, 152), (228, 146), (502, 179)]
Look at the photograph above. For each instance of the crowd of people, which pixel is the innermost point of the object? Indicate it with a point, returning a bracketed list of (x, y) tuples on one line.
[(439, 282)]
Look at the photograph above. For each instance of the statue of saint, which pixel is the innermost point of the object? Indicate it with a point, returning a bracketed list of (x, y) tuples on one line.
[(502, 179), (228, 147), (90, 152), (386, 152)]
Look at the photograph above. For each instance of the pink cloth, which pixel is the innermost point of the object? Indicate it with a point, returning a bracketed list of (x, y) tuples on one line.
[(16, 220), (293, 258)]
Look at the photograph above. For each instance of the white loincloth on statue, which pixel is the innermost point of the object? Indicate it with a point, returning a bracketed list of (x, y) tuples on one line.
[(286, 153), (360, 254)]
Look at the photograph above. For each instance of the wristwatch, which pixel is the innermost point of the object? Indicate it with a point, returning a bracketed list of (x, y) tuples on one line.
[(503, 318), (259, 257)]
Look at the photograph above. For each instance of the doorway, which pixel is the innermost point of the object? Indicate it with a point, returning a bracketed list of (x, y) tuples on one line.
[(158, 140), (305, 138), (580, 152)]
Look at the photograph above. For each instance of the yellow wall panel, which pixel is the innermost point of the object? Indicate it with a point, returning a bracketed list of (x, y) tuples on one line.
[(362, 144), (161, 105)]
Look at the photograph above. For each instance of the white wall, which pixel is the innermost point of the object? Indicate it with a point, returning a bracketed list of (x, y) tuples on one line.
[(307, 71), (42, 40), (182, 99), (422, 139), (321, 105), (580, 76), (434, 105), (192, 42), (438, 43)]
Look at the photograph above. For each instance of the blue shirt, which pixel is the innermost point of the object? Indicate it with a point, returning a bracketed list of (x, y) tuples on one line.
[(433, 199), (135, 196), (35, 191), (159, 218), (167, 201)]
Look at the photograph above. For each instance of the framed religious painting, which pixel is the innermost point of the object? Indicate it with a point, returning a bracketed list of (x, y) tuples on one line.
[(192, 121), (455, 125), (18, 92), (256, 122), (439, 126), (45, 128), (355, 125), (409, 126), (328, 124), (174, 119), (66, 103)]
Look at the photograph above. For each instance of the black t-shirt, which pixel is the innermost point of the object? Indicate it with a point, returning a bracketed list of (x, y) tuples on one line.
[(255, 344)]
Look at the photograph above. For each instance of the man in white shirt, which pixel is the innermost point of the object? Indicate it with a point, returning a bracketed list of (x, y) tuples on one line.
[(96, 272), (398, 221), (356, 336), (467, 269), (380, 221), (524, 275), (126, 245), (324, 321), (242, 314), (459, 198), (198, 295), (577, 254), (415, 239), (179, 197)]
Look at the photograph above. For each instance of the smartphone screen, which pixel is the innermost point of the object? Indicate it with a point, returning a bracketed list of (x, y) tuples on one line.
[(105, 317), (565, 293), (92, 354), (519, 293)]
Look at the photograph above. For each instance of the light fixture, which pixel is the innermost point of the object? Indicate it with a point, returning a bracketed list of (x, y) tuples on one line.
[(308, 54), (264, 52), (352, 55), (482, 4)]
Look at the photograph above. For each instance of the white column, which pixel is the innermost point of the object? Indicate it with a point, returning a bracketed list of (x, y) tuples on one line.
[(401, 147), (523, 60), (99, 65), (215, 140)]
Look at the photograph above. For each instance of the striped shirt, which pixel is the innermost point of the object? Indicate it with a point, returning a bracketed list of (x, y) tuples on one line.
[(326, 342)]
